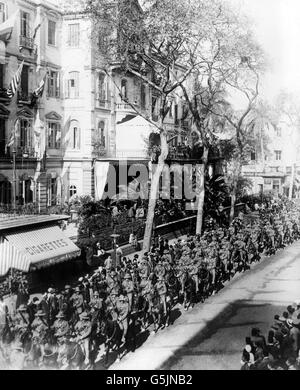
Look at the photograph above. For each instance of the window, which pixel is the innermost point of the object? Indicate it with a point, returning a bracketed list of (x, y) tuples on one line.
[(3, 13), (72, 191), (102, 89), (278, 131), (268, 182), (2, 76), (53, 84), (288, 170), (171, 110), (51, 32), (2, 137), (25, 134), (143, 96), (54, 135), (53, 192), (25, 82), (252, 156), (73, 35), (176, 113), (277, 155), (73, 85), (124, 90), (75, 135), (101, 133), (25, 24)]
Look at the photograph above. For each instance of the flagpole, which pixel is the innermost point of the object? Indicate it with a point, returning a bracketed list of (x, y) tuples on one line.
[(14, 152)]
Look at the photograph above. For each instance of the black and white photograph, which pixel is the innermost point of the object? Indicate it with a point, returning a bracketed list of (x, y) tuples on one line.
[(149, 187)]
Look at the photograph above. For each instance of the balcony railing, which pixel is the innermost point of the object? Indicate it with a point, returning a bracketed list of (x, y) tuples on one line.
[(24, 97), (103, 103), (26, 42), (25, 152), (125, 107)]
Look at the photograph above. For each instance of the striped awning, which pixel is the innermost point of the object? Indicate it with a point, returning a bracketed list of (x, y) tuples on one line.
[(35, 248), (10, 257)]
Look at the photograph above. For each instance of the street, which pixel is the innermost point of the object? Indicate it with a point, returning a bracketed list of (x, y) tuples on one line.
[(212, 335)]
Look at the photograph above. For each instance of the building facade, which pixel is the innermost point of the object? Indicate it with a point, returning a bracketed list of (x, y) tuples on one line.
[(80, 118), (272, 168)]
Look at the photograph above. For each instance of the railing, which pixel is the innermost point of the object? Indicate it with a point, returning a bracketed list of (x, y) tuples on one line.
[(124, 106), (103, 103), (24, 97), (26, 42), (25, 152)]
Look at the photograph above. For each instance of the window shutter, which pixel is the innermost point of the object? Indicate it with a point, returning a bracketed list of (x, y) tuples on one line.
[(67, 89)]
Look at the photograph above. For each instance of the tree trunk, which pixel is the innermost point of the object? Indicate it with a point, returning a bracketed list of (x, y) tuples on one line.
[(292, 182), (154, 191), (201, 193), (234, 191)]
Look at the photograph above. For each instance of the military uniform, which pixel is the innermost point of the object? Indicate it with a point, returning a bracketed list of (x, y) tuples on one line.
[(122, 309), (39, 329), (162, 292), (111, 303), (83, 328), (61, 326), (128, 287), (22, 322)]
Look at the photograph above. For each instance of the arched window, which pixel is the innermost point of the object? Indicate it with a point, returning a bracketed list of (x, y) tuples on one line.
[(124, 88), (72, 191), (101, 133), (75, 135)]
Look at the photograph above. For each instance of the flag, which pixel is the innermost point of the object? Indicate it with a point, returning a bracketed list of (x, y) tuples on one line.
[(40, 89), (36, 30), (38, 92), (14, 85), (6, 28), (13, 136)]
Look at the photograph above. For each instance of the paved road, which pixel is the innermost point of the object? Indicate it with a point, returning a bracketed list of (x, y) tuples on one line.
[(212, 335)]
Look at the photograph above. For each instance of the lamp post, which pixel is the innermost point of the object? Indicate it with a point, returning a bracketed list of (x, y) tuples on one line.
[(14, 152), (114, 236)]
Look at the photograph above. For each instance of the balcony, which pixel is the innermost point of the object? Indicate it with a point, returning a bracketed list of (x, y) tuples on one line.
[(26, 43), (25, 152), (103, 103), (125, 107), (24, 97)]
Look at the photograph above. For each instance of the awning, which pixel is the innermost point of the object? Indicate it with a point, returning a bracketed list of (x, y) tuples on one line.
[(10, 257), (36, 248)]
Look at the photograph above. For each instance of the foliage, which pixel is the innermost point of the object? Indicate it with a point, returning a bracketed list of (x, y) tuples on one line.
[(216, 191)]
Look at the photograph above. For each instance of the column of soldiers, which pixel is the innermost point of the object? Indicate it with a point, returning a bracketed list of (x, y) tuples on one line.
[(113, 292)]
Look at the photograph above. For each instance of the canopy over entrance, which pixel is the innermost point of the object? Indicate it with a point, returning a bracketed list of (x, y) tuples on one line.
[(29, 247)]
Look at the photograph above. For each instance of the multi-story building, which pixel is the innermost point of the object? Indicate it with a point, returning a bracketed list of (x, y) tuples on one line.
[(272, 167), (81, 120)]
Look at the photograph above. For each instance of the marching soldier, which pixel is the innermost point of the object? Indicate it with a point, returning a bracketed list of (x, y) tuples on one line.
[(61, 326), (111, 304), (161, 288), (122, 309), (22, 322), (128, 287), (160, 270), (83, 329), (112, 282), (40, 331), (77, 303)]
